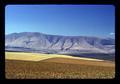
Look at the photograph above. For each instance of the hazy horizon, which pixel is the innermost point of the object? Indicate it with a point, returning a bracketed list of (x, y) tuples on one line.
[(63, 35)]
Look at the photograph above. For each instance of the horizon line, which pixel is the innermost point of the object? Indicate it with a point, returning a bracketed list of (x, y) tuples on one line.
[(62, 35)]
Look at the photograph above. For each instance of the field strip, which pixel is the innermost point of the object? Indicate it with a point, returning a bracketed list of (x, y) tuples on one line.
[(26, 56), (82, 58), (39, 57)]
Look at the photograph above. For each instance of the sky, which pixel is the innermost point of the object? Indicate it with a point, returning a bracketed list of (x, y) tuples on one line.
[(67, 20)]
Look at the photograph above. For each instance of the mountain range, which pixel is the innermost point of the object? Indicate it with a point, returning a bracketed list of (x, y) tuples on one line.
[(45, 43)]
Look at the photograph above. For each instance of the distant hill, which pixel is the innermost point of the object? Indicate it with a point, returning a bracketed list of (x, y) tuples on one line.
[(44, 43)]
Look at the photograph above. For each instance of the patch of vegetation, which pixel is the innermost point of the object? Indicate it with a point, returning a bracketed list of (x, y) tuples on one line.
[(51, 70)]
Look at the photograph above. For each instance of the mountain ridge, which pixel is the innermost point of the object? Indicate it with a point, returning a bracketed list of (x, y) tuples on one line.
[(41, 41), (60, 35)]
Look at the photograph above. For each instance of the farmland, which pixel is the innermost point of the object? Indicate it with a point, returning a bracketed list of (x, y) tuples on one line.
[(38, 57), (55, 67)]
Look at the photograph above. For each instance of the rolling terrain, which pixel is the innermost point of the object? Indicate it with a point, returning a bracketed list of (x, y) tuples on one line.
[(39, 57), (84, 46), (19, 65), (33, 55)]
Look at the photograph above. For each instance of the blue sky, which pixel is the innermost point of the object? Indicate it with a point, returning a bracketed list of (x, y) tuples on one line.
[(68, 20)]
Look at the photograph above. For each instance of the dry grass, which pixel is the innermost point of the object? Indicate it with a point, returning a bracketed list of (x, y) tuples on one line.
[(26, 56), (43, 66), (79, 61), (51, 70), (38, 57)]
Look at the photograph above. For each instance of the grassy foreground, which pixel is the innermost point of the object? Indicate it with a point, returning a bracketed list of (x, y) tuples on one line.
[(58, 68)]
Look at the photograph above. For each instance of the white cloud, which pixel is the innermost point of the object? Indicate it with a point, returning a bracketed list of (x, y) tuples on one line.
[(112, 33)]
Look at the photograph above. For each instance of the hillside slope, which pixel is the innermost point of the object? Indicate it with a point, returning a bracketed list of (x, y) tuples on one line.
[(39, 41)]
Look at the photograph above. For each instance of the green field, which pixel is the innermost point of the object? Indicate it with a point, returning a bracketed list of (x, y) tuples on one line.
[(56, 67)]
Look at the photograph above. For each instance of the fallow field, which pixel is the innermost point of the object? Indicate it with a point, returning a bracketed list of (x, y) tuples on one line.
[(19, 65)]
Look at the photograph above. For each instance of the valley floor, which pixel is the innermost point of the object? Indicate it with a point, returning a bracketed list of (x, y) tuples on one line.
[(57, 68)]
